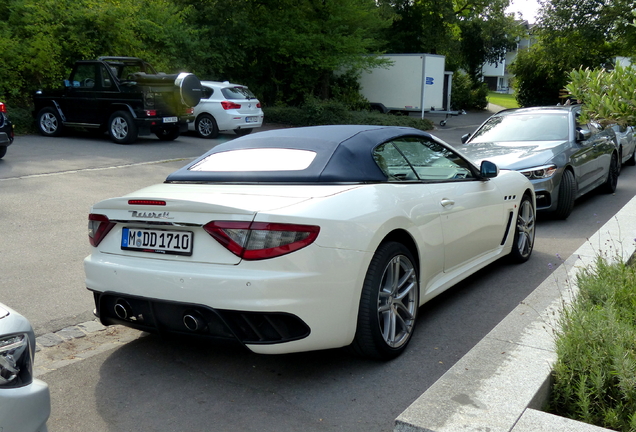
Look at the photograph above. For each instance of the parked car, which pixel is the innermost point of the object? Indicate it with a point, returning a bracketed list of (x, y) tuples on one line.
[(626, 143), (6, 130), (563, 158), (124, 96), (226, 107), (305, 239), (25, 402)]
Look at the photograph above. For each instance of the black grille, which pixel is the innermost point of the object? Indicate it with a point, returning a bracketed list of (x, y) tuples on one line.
[(163, 317)]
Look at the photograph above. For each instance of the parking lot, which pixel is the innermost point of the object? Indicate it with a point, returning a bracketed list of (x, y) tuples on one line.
[(47, 186)]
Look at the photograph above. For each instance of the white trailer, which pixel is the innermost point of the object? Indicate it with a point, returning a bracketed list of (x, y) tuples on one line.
[(413, 83)]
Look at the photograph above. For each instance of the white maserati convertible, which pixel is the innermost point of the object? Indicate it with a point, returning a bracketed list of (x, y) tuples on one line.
[(305, 239)]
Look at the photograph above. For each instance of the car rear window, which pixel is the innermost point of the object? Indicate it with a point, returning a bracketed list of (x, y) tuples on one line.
[(237, 93), (258, 159), (524, 127)]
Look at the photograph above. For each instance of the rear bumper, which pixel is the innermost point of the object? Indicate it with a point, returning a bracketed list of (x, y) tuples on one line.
[(307, 301), (156, 124), (25, 409)]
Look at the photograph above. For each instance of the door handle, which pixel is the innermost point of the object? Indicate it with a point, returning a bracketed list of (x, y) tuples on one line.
[(447, 202)]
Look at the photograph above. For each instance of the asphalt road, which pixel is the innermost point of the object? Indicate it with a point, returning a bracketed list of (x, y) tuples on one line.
[(46, 189)]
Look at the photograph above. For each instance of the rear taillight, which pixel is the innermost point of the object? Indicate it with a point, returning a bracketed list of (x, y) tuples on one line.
[(98, 227), (258, 105), (146, 202), (3, 107), (230, 105), (261, 240)]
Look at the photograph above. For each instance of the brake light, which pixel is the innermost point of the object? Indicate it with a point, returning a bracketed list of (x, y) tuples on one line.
[(230, 105), (261, 240), (98, 227), (151, 113), (258, 105), (146, 202), (3, 107)]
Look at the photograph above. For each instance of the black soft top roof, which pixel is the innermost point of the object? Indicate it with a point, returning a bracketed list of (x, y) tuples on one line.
[(344, 153)]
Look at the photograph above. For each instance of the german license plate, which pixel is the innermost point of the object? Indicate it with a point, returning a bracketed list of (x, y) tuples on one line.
[(252, 119), (170, 119), (157, 241)]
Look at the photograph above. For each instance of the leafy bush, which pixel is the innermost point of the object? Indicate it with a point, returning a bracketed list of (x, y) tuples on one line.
[(467, 95), (22, 120), (595, 374), (315, 112)]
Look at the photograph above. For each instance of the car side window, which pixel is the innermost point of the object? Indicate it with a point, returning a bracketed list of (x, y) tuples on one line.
[(106, 81), (409, 159), (84, 76), (207, 92)]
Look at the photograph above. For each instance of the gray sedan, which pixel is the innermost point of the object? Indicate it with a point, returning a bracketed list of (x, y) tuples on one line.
[(563, 158)]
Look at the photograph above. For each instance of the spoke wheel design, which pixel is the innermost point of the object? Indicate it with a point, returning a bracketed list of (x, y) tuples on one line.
[(388, 304), (396, 308), (206, 126), (121, 128), (524, 231), (49, 122)]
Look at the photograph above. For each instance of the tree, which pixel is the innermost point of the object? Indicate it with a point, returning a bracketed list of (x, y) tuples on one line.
[(468, 32), (287, 50), (572, 34)]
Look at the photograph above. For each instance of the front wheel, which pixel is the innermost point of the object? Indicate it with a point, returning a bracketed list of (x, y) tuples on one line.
[(49, 122), (612, 176), (122, 128), (567, 195), (168, 134), (524, 231), (388, 303)]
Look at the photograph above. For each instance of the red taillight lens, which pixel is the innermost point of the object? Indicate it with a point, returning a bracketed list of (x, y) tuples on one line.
[(3, 107), (146, 202), (261, 240), (98, 227), (151, 113), (230, 105), (258, 105)]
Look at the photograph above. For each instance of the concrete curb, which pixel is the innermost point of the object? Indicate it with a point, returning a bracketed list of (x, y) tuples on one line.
[(504, 381)]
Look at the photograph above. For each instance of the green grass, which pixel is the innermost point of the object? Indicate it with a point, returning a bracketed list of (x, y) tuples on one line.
[(595, 372), (504, 100)]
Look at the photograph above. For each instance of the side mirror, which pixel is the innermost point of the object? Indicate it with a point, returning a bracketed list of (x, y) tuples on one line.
[(488, 170), (583, 134), (465, 138)]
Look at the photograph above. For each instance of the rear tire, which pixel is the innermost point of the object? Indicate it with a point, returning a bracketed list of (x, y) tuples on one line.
[(243, 132), (168, 134), (632, 160), (49, 122), (388, 304), (3, 151), (612, 176), (206, 127), (122, 128), (567, 195), (524, 231)]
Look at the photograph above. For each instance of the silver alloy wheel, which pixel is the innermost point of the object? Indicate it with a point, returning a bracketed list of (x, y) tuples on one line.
[(525, 228), (119, 128), (206, 126), (397, 301), (48, 123)]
